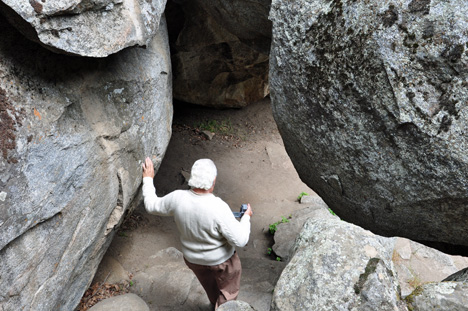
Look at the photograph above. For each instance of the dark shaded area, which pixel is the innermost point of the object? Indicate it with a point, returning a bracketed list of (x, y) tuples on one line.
[(175, 19), (454, 53), (390, 16), (420, 6), (460, 250)]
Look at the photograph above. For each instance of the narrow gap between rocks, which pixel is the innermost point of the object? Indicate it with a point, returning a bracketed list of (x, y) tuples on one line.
[(253, 167)]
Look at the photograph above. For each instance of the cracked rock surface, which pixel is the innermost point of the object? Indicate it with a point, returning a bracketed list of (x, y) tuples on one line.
[(370, 99), (75, 131), (86, 28)]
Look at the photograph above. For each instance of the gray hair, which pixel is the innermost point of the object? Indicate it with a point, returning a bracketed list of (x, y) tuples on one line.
[(203, 174)]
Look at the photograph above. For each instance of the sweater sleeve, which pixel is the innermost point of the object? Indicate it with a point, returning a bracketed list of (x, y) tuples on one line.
[(154, 204), (236, 232)]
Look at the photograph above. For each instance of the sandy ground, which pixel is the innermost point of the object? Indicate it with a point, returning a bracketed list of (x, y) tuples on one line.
[(253, 167)]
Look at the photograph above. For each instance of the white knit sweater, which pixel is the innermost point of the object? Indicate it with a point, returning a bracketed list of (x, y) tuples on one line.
[(208, 230)]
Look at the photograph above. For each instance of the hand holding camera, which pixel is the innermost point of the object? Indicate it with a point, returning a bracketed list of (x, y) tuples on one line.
[(244, 209)]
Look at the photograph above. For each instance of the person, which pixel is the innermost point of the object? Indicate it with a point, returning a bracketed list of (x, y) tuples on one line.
[(208, 230)]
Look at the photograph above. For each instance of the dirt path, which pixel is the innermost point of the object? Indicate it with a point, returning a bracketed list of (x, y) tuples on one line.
[(253, 167)]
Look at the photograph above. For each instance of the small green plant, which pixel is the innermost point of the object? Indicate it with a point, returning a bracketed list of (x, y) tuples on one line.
[(221, 127), (301, 195), (123, 234), (331, 212), (131, 283), (273, 226), (271, 253)]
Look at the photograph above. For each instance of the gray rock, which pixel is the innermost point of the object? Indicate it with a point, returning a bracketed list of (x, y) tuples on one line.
[(312, 199), (235, 305), (338, 266), (287, 232), (459, 276), (110, 271), (445, 296), (417, 264), (369, 98), (257, 289), (212, 66), (127, 302), (169, 284), (87, 28), (73, 137), (208, 135)]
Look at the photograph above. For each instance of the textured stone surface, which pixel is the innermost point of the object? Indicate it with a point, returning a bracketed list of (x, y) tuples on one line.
[(74, 132), (236, 305), (127, 302), (338, 266), (110, 271), (288, 231), (169, 282), (329, 256), (371, 98), (445, 296), (417, 264), (257, 288), (87, 28), (212, 66)]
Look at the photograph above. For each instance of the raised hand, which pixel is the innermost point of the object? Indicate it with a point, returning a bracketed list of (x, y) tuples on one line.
[(148, 168)]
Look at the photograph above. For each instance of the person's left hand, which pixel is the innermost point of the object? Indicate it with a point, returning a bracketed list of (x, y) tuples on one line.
[(148, 168)]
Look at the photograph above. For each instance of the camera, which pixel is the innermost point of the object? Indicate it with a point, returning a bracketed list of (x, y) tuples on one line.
[(243, 209)]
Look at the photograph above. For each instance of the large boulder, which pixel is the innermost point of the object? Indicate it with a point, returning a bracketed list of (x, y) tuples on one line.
[(168, 284), (74, 132), (370, 99), (287, 232), (338, 266), (87, 28), (212, 65)]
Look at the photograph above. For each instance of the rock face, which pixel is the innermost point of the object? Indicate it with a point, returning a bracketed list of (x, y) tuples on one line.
[(288, 231), (446, 296), (87, 28), (236, 305), (212, 65), (338, 266), (370, 99), (169, 282), (417, 264), (74, 132)]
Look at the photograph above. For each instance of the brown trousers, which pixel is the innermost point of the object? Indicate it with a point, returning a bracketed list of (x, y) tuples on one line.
[(221, 282)]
